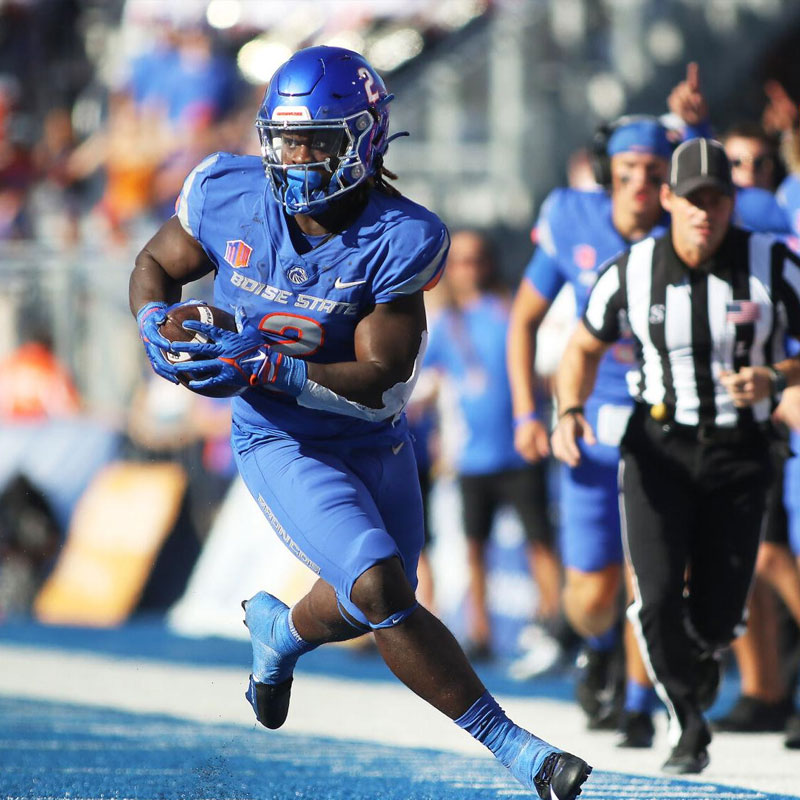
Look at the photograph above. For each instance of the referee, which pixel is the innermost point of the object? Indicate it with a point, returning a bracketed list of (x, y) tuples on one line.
[(708, 305)]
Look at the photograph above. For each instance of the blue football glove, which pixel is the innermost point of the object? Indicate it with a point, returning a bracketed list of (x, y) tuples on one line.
[(150, 317), (240, 359)]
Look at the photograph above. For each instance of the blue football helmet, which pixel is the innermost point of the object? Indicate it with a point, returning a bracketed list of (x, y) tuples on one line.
[(332, 102)]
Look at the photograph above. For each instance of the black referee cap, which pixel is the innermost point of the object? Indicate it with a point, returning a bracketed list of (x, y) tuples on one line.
[(698, 163)]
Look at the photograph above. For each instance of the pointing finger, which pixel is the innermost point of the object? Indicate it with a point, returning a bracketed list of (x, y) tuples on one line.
[(775, 91), (693, 76)]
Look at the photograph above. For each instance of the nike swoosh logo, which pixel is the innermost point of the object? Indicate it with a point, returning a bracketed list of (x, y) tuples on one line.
[(258, 357), (340, 284), (396, 448)]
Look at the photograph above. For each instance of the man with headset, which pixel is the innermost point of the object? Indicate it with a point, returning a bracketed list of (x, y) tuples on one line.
[(576, 233)]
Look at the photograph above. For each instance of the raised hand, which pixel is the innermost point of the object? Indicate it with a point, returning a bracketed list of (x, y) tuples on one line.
[(687, 100), (781, 112)]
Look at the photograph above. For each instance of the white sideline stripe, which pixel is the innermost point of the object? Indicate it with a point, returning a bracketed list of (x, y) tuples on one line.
[(346, 709)]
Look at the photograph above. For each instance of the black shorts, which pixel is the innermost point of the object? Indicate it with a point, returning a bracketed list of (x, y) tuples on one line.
[(524, 489)]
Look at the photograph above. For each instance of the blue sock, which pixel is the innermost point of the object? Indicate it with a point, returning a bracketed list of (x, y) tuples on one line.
[(276, 643), (519, 750), (639, 698), (606, 641)]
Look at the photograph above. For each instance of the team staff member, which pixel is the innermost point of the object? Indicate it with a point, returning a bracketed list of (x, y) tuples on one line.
[(577, 232), (708, 305), (327, 265)]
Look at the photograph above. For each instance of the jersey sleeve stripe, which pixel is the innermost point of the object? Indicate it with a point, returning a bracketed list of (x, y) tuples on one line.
[(427, 277), (182, 207)]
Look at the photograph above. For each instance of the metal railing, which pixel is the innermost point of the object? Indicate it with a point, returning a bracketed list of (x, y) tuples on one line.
[(81, 298)]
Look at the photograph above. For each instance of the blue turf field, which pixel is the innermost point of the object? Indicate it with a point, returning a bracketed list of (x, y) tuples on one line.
[(54, 750), (62, 751)]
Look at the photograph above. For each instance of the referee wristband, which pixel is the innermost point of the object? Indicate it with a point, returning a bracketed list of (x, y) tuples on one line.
[(531, 416), (778, 380), (572, 411)]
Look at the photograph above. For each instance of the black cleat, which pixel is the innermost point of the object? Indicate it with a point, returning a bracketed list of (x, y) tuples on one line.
[(686, 762), (271, 703), (561, 777), (479, 652), (637, 730), (792, 740), (690, 755), (600, 690), (751, 715)]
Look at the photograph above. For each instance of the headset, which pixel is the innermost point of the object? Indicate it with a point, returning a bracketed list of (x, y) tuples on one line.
[(601, 161)]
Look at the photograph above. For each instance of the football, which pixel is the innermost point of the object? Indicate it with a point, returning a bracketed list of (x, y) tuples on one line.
[(172, 329)]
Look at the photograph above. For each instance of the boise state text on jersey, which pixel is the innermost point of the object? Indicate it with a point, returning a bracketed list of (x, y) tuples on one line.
[(308, 305), (576, 237)]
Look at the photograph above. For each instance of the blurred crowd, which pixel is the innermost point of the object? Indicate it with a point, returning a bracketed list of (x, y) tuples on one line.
[(174, 101), (181, 98)]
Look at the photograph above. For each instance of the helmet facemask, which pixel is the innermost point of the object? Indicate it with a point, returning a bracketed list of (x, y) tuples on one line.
[(339, 149)]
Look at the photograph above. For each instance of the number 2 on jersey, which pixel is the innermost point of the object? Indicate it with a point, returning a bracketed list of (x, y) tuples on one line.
[(293, 334)]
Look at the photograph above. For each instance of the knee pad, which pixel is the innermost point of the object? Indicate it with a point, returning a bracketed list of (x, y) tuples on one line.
[(394, 619)]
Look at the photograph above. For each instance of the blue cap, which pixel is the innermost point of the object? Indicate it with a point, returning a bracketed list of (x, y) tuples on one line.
[(642, 136)]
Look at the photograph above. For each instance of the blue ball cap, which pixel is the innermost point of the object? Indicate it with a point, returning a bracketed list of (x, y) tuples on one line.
[(641, 136)]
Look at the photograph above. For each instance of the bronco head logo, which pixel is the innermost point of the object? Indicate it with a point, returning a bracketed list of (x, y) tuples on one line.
[(297, 275)]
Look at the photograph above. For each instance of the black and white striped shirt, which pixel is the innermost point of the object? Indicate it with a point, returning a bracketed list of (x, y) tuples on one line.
[(692, 324)]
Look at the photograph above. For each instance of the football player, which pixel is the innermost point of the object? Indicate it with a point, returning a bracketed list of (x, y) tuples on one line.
[(326, 265)]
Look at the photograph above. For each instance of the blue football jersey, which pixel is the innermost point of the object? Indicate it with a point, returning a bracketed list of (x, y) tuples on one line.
[(759, 210), (311, 303), (788, 197), (469, 347), (576, 236)]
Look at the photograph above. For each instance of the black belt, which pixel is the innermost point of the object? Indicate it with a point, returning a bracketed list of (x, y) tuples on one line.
[(705, 432)]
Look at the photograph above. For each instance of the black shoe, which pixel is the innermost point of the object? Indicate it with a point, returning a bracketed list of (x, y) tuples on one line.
[(561, 777), (637, 730), (751, 715), (479, 652), (709, 677), (600, 690), (270, 702), (690, 755), (792, 740)]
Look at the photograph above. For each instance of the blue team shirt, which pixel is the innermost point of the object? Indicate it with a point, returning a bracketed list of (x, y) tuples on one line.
[(469, 346), (788, 197), (311, 302), (147, 80), (576, 236), (759, 210), (208, 85)]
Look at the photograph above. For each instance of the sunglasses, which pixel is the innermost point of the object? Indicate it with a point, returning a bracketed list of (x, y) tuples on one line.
[(759, 162)]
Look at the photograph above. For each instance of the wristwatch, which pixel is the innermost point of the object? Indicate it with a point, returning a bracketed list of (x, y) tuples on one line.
[(778, 381)]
